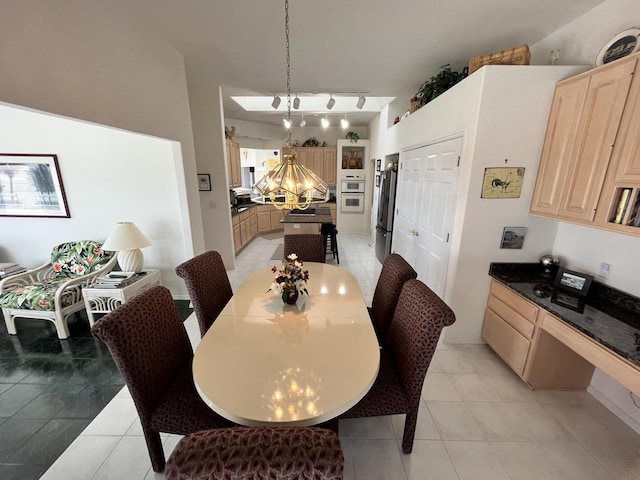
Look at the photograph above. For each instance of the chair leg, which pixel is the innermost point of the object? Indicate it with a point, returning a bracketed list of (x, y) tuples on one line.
[(154, 446), (61, 325), (410, 422), (334, 247), (10, 321)]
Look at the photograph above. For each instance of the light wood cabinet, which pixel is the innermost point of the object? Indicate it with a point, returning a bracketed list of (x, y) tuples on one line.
[(276, 216), (581, 142), (233, 164), (316, 162), (330, 166), (320, 160)]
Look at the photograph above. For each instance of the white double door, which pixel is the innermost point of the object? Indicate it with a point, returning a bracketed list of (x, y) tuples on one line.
[(427, 187)]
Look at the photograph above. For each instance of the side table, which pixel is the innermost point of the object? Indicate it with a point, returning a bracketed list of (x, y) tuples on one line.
[(104, 300)]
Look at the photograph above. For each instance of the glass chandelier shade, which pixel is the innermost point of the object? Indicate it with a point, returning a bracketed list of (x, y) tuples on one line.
[(290, 185)]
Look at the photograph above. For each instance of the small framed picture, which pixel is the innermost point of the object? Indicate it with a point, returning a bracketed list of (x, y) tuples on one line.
[(377, 180), (378, 164), (574, 282), (513, 237), (204, 182)]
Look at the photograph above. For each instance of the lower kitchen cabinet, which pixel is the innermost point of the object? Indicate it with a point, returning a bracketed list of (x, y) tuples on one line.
[(257, 219)]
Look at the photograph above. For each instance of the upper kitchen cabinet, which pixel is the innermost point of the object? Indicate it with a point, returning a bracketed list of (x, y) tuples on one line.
[(330, 165), (233, 164), (583, 124), (320, 160)]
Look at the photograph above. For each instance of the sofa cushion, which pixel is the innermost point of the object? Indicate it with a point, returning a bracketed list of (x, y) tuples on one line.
[(38, 296), (73, 259)]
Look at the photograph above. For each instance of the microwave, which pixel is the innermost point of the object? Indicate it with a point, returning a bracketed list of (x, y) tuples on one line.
[(352, 185)]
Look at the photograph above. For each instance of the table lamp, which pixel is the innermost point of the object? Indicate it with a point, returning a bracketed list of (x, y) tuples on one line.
[(127, 240)]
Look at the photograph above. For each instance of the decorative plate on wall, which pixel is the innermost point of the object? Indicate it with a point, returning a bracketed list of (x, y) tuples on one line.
[(623, 44)]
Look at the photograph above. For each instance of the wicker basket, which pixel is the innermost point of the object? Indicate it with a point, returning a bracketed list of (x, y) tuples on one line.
[(513, 56)]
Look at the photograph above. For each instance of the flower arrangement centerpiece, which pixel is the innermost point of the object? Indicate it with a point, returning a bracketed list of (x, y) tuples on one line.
[(290, 280)]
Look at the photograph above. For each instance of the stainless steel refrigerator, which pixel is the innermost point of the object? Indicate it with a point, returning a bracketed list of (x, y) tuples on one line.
[(386, 206)]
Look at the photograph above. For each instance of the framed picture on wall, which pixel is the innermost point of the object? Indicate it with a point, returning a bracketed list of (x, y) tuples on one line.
[(502, 182), (378, 164), (377, 180), (204, 182), (31, 186)]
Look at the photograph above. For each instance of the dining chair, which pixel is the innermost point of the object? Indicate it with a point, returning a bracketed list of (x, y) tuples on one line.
[(150, 346), (309, 247), (208, 286), (395, 272), (258, 453), (413, 336)]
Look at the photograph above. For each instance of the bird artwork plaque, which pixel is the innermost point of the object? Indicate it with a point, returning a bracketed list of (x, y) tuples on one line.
[(502, 182)]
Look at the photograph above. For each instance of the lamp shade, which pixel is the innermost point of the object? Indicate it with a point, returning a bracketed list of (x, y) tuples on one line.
[(127, 240), (126, 236)]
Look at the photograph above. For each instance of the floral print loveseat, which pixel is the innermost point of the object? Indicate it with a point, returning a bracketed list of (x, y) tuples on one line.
[(53, 291)]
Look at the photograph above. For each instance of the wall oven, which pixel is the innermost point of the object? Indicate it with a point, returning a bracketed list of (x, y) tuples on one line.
[(353, 185), (352, 202)]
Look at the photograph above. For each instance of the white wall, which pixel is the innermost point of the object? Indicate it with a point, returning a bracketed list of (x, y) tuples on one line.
[(580, 247), (109, 175), (89, 60)]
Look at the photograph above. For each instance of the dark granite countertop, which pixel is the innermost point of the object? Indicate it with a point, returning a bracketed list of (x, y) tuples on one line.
[(319, 215), (242, 208), (610, 316)]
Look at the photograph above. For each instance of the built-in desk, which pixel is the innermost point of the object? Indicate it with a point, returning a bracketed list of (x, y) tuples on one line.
[(553, 347), (306, 221)]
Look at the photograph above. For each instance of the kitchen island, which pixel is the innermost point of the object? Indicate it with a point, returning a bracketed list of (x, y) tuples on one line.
[(306, 221)]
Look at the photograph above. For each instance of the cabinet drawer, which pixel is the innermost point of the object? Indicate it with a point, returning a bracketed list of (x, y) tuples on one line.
[(505, 341), (513, 318), (516, 302)]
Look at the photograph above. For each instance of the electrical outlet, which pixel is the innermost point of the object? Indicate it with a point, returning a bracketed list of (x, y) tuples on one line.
[(605, 270)]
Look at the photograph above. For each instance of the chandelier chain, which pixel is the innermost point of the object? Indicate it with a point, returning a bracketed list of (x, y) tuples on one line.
[(286, 35)]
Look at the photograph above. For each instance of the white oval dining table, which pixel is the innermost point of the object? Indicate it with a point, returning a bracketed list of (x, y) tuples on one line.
[(266, 363)]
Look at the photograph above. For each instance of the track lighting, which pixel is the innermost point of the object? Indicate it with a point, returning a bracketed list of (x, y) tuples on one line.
[(276, 102), (296, 102), (324, 122), (287, 123), (331, 102), (361, 101), (303, 122), (344, 123)]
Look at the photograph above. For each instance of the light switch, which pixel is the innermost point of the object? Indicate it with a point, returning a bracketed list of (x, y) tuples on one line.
[(605, 270)]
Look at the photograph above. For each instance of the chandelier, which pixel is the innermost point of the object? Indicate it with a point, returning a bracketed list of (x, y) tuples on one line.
[(289, 185)]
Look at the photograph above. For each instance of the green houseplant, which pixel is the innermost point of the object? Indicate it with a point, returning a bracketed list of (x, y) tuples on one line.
[(437, 85), (353, 137)]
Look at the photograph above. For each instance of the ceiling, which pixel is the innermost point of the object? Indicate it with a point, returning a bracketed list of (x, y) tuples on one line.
[(377, 47)]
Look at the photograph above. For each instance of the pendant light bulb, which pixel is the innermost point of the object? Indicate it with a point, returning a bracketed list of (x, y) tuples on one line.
[(287, 123), (303, 122), (325, 122), (296, 102), (344, 123)]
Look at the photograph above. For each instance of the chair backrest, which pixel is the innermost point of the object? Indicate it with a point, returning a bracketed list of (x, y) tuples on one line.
[(395, 272), (208, 286), (413, 336), (73, 259), (309, 247), (148, 342)]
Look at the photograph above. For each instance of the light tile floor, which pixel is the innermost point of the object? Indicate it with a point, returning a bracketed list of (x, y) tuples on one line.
[(477, 421)]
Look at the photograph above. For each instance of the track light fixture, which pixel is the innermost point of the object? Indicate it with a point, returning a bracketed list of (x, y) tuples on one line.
[(325, 122), (361, 101), (287, 123), (303, 122), (276, 102), (296, 102), (344, 123), (331, 102)]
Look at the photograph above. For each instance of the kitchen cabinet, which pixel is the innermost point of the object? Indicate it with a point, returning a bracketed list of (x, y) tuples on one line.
[(233, 164), (245, 227), (330, 167), (320, 160), (268, 218), (276, 216), (585, 116), (316, 161)]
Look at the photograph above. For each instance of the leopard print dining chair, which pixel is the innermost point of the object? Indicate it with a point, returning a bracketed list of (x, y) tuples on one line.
[(413, 336), (258, 453), (208, 286), (150, 346), (395, 272), (309, 247)]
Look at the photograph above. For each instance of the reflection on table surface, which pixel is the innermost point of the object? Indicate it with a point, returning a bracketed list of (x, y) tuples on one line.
[(263, 362)]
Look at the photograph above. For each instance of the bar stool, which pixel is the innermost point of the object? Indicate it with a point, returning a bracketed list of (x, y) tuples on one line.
[(329, 234)]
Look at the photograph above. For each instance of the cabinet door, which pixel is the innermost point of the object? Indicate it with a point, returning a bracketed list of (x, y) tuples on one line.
[(562, 129), (330, 166), (626, 151), (237, 240), (264, 221), (512, 347), (599, 122), (303, 156), (235, 160), (276, 216), (317, 162), (245, 232)]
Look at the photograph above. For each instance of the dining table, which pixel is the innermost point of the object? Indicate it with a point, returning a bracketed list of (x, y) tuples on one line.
[(265, 363)]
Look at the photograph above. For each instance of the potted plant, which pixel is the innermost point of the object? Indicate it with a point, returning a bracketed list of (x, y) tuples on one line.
[(437, 85), (353, 137), (311, 142)]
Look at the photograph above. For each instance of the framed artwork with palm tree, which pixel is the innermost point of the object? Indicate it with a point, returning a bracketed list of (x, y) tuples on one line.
[(31, 186)]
